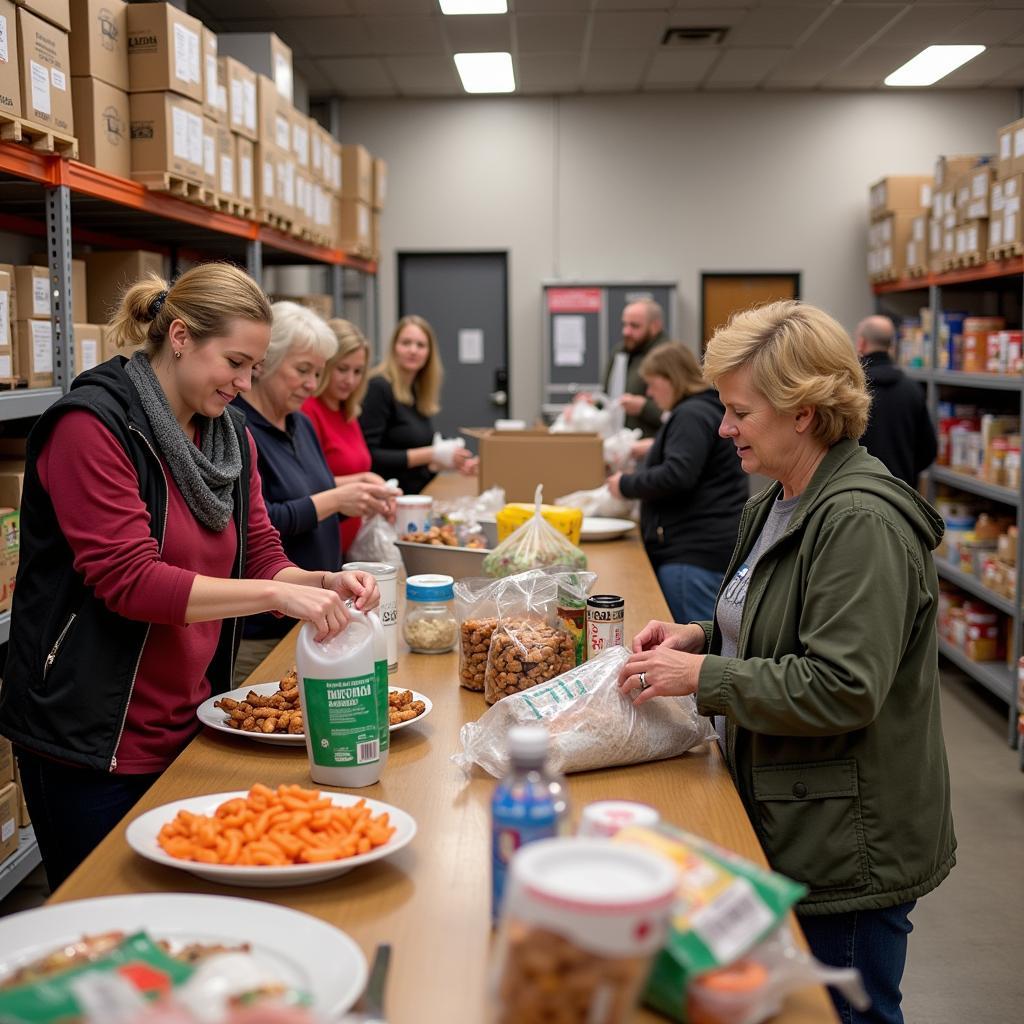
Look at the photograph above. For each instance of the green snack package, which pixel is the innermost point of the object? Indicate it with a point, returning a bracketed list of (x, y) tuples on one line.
[(726, 905)]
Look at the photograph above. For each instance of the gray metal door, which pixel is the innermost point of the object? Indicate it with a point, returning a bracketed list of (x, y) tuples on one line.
[(465, 299)]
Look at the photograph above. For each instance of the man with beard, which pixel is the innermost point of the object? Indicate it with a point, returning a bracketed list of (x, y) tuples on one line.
[(642, 331)]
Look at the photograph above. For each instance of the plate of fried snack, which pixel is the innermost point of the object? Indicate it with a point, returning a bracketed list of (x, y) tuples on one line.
[(270, 837), (270, 712)]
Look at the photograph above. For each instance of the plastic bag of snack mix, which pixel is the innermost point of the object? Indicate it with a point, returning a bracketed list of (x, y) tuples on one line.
[(375, 542), (590, 723), (536, 543), (729, 957)]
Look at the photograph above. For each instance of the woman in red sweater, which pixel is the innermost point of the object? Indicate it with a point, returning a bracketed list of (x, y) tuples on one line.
[(334, 411), (144, 536)]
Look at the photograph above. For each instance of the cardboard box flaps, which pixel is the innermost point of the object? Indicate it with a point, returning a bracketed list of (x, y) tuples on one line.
[(519, 461), (99, 41), (56, 12)]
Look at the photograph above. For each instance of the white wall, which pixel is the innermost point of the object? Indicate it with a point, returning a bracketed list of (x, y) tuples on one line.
[(657, 186)]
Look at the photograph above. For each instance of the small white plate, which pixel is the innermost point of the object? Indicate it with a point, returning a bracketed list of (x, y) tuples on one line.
[(215, 718), (599, 528), (300, 951), (142, 838)]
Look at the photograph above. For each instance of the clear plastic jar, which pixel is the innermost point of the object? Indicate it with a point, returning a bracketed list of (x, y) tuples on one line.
[(430, 625)]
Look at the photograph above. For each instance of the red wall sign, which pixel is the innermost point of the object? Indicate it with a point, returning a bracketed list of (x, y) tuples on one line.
[(574, 300)]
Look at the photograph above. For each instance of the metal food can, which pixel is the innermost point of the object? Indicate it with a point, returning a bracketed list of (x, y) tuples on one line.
[(606, 615), (387, 583)]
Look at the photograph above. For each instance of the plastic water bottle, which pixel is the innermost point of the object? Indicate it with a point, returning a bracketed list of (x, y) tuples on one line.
[(530, 803)]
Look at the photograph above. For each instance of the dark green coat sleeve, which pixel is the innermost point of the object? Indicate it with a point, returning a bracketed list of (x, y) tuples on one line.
[(860, 599)]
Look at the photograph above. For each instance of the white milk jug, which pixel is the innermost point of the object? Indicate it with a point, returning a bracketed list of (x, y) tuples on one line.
[(343, 690)]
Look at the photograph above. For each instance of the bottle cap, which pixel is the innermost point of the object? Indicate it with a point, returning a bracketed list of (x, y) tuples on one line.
[(379, 570), (528, 743), (430, 587), (606, 601)]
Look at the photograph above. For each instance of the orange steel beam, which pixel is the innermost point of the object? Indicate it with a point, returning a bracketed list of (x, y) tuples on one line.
[(965, 275)]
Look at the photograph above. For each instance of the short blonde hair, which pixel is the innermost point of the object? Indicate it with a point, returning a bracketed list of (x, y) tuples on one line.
[(679, 366), (428, 381), (205, 299), (350, 340), (296, 327), (797, 355)]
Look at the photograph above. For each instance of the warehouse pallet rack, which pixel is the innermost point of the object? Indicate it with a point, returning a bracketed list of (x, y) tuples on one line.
[(994, 288), (47, 196)]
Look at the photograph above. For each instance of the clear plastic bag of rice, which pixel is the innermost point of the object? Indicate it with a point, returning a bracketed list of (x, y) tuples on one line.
[(591, 724)]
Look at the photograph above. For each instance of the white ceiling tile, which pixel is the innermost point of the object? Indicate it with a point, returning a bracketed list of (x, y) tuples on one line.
[(548, 6), (989, 27), (804, 68), (408, 35), (548, 72), (425, 76), (773, 26), (480, 33), (627, 31), (615, 72), (384, 7), (317, 83), (707, 16), (549, 33), (330, 37), (739, 68), (633, 5), (923, 25), (868, 69), (846, 28), (357, 76), (680, 68), (684, 6), (993, 65)]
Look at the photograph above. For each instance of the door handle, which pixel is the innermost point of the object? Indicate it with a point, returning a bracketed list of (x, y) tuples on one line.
[(499, 397)]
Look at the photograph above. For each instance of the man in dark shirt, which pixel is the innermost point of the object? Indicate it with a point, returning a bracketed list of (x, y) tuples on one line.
[(900, 432), (642, 330)]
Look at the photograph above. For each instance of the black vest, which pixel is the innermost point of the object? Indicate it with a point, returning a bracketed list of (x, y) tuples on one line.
[(71, 662)]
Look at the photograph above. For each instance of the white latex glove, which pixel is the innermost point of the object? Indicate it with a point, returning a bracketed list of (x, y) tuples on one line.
[(443, 451)]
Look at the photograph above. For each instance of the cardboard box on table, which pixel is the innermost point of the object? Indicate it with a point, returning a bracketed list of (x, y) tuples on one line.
[(45, 66), (110, 274), (99, 41), (102, 125), (164, 50), (520, 460)]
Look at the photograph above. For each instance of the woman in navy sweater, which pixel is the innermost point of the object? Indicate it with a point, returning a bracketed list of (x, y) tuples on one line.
[(302, 499), (691, 486)]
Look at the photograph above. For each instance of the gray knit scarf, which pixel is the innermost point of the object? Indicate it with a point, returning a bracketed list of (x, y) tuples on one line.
[(205, 476)]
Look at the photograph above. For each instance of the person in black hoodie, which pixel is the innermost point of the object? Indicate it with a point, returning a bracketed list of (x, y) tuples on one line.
[(900, 432), (691, 486)]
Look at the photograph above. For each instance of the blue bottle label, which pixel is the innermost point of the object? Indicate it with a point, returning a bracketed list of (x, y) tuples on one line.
[(516, 821)]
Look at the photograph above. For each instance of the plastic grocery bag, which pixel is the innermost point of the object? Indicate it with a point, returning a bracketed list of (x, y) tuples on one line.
[(599, 502), (590, 723), (730, 913), (375, 542), (593, 414), (618, 449), (536, 543)]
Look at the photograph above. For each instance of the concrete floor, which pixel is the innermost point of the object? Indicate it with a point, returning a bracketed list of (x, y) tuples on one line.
[(966, 961)]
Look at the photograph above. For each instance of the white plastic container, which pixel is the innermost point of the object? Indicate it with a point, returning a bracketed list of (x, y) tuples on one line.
[(343, 691), (605, 818), (414, 513), (387, 583)]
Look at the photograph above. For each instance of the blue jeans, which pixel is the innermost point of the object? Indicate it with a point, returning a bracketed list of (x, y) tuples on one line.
[(873, 941), (690, 591), (73, 808)]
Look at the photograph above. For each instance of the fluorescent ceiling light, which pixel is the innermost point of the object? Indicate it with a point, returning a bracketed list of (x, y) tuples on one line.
[(474, 6), (933, 63), (486, 72)]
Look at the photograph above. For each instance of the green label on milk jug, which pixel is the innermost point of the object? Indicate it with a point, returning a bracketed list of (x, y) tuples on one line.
[(344, 718), (380, 671)]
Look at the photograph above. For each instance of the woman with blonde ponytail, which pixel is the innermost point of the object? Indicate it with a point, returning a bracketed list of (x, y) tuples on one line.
[(144, 537)]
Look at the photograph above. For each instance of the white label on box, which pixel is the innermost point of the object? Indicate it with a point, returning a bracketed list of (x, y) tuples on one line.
[(5, 319), (926, 195), (4, 55), (7, 831), (364, 222), (318, 152), (300, 143), (1018, 143), (887, 256), (40, 296), (227, 174), (283, 76), (222, 99), (1010, 187), (918, 229), (186, 54), (912, 254), (211, 80), (996, 198), (195, 139), (249, 105), (42, 346), (336, 170), (90, 353), (979, 187), (268, 180), (179, 133), (6, 368), (323, 208), (245, 177), (209, 155), (282, 132), (237, 112), (1005, 153), (1012, 206), (935, 236), (995, 232), (58, 79), (1010, 225), (40, 88), (286, 182)]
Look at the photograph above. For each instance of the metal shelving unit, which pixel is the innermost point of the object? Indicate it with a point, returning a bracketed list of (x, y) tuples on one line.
[(994, 286), (14, 405), (21, 863)]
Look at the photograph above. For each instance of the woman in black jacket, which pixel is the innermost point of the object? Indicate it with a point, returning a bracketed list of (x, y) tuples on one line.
[(691, 486)]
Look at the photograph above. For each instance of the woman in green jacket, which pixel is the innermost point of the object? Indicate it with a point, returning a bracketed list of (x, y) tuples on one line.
[(822, 660)]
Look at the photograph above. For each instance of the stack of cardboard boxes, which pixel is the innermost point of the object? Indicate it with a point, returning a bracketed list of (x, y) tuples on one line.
[(99, 83), (13, 813), (35, 67), (1006, 232), (356, 201), (897, 237), (109, 275)]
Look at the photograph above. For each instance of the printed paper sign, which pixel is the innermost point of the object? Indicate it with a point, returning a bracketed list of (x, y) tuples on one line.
[(40, 296), (42, 346), (249, 105), (186, 54), (245, 177), (179, 133), (40, 88), (58, 79), (471, 345), (227, 175), (4, 56), (90, 353), (570, 340), (574, 300)]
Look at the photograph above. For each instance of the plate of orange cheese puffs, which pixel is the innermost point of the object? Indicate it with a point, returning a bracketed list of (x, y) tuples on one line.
[(267, 837), (270, 712)]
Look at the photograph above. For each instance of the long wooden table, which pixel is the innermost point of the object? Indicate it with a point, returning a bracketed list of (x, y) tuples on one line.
[(431, 901)]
